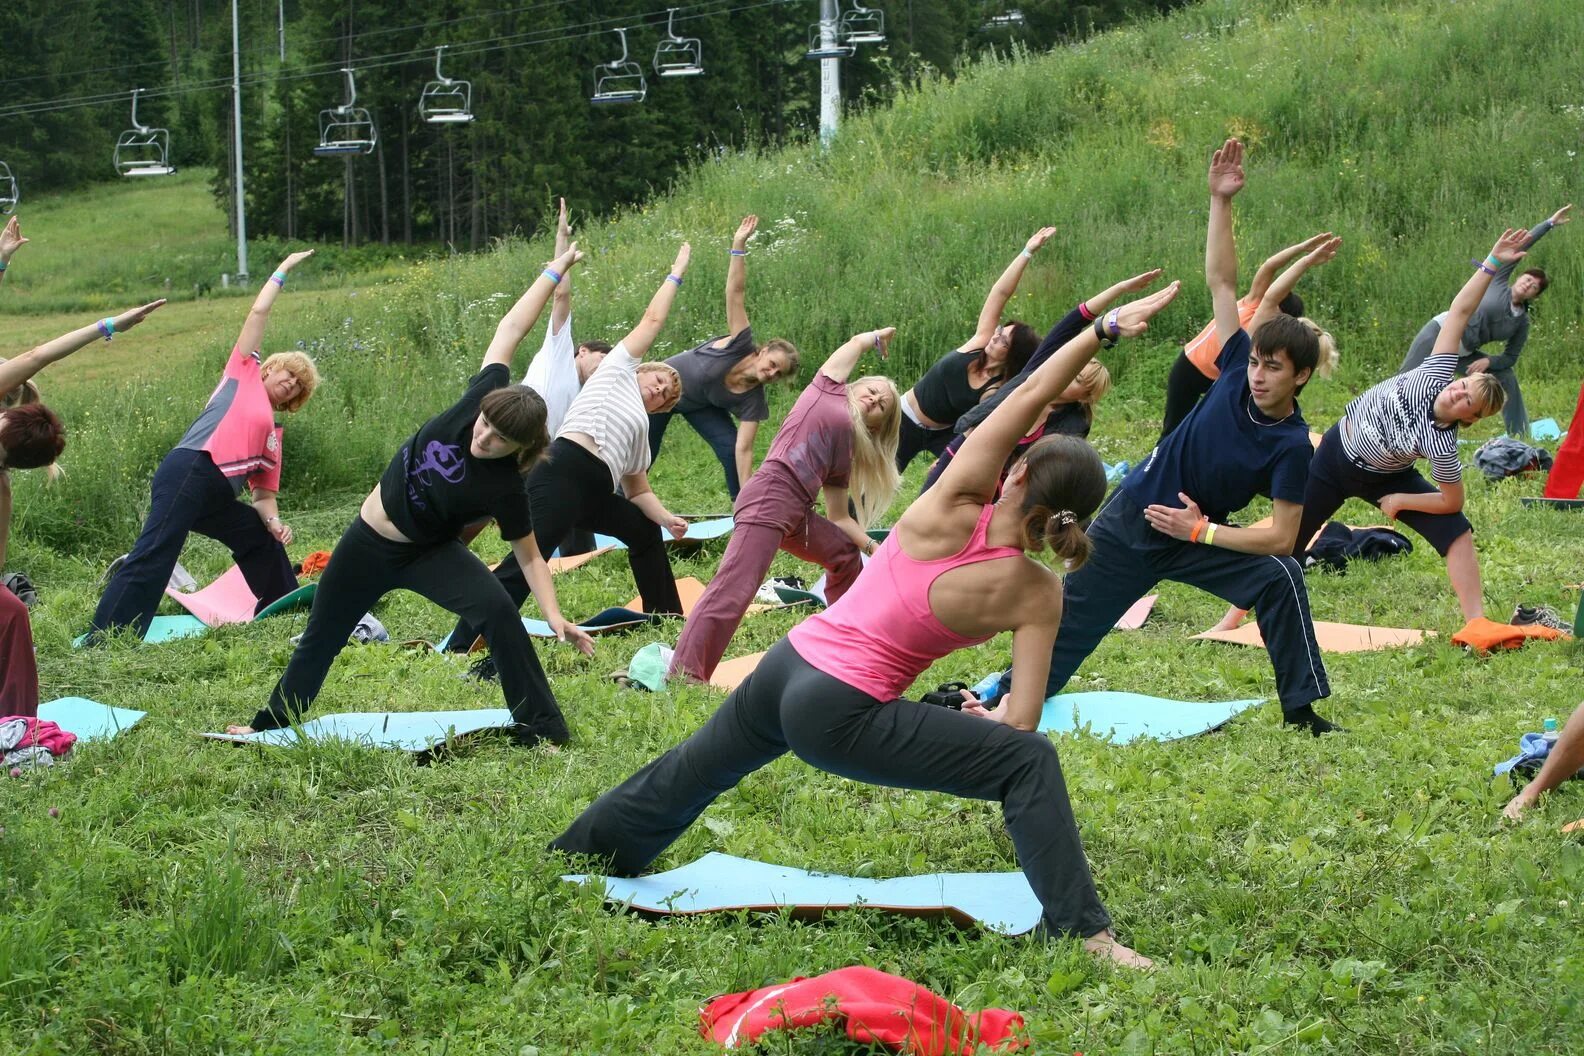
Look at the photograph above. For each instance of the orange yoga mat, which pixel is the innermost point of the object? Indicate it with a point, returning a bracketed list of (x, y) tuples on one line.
[(1333, 637), (567, 564), (688, 589), (729, 674)]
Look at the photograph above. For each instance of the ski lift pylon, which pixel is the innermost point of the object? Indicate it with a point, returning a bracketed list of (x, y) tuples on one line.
[(621, 81), (140, 150), (825, 41), (9, 195), (446, 101), (862, 25), (346, 129), (678, 56)]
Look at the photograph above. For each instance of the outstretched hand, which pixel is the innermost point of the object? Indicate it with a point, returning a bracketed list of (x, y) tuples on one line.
[(882, 340), (128, 319), (1038, 239), (1133, 318), (570, 256), (1558, 218), (563, 228), (1325, 251), (1226, 170), (1510, 246), (683, 258), (745, 230), (1177, 522), (295, 259), (11, 238), (1142, 281), (572, 634)]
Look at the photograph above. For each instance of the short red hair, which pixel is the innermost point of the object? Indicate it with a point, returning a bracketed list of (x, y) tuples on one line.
[(32, 436)]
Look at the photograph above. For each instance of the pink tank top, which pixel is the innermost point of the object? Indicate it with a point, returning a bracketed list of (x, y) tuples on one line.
[(882, 634)]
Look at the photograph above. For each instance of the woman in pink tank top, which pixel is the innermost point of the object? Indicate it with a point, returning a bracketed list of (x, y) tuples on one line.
[(955, 571)]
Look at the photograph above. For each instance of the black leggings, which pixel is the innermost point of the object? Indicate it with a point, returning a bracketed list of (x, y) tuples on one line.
[(913, 438), (1333, 479), (787, 704), (366, 566), (572, 489), (1184, 387)]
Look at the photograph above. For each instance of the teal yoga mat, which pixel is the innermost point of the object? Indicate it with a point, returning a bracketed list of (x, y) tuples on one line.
[(301, 598), (999, 902), (88, 719), (408, 731), (164, 629), (1545, 429), (698, 532), (1124, 717)]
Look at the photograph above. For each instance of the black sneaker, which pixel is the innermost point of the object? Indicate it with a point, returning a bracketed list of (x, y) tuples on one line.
[(1539, 616), (484, 670)]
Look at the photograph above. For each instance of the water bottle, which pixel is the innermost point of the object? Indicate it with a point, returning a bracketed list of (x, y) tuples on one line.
[(1548, 730)]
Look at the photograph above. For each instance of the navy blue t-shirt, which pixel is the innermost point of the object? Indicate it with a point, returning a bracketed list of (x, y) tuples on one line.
[(1226, 452)]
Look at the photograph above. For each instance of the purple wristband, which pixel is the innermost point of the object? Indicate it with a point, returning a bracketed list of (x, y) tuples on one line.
[(1112, 327), (674, 278), (1481, 265)]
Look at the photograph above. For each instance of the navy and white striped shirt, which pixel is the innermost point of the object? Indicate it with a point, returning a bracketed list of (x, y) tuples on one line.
[(1392, 425)]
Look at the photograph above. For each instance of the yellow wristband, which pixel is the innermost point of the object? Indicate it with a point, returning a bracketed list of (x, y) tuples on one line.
[(1209, 536)]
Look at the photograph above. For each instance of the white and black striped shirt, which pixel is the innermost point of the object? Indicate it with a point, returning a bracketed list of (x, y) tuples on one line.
[(1393, 425), (610, 408)]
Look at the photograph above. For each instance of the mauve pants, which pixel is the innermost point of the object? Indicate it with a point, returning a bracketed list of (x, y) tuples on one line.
[(18, 670)]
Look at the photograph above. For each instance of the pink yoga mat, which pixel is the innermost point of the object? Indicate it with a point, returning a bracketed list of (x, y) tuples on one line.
[(226, 600)]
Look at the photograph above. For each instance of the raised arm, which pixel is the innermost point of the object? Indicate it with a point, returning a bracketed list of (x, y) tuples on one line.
[(1270, 307), (1507, 251), (975, 471), (643, 335), (561, 305), (737, 278), (1536, 233), (515, 324), (839, 366), (11, 240), (1280, 259), (14, 372), (996, 302), (1226, 180), (252, 334)]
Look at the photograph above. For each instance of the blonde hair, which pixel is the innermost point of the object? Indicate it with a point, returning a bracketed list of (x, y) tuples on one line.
[(1329, 357), (1488, 390), (1096, 380), (298, 366), (676, 382), (789, 350), (874, 478)]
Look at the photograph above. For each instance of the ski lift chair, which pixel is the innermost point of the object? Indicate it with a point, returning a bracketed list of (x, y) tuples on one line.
[(1005, 20), (8, 190), (862, 25), (678, 56), (140, 150), (446, 101), (826, 42), (621, 81), (346, 129)]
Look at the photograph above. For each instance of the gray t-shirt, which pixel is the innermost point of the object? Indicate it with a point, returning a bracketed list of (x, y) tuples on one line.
[(704, 370)]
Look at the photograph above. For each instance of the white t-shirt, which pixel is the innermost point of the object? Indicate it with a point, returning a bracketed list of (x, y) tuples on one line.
[(553, 374), (610, 408)]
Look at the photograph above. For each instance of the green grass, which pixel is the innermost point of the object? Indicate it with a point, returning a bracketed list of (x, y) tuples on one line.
[(1349, 895)]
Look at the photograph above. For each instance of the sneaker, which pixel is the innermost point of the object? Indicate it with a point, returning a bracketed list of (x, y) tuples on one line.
[(115, 566), (1541, 616), (483, 670), (181, 580), (767, 590)]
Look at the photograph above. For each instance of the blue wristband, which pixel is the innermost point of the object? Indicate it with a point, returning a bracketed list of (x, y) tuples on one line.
[(106, 328), (675, 279), (1481, 265), (279, 279), (3, 265), (552, 275), (739, 252)]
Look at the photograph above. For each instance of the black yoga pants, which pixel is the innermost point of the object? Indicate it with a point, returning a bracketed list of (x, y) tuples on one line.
[(913, 438), (1185, 386), (787, 704), (572, 489), (364, 567)]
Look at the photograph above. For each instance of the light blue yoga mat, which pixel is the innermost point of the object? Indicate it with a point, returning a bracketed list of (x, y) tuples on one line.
[(88, 719), (1124, 717), (164, 629), (409, 731), (1000, 902), (697, 532), (1545, 429)]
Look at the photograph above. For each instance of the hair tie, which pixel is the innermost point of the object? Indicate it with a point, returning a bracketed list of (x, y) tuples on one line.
[(1066, 518)]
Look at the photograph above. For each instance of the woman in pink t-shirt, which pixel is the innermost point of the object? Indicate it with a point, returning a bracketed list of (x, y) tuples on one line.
[(837, 438), (954, 572), (234, 443)]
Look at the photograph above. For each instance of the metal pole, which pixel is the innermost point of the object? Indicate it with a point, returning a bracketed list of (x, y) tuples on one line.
[(830, 75), (236, 111), (280, 15)]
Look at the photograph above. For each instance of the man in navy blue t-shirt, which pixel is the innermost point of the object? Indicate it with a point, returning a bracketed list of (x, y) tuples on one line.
[(1245, 438)]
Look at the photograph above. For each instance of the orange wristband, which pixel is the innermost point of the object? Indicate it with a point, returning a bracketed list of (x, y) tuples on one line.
[(1199, 526)]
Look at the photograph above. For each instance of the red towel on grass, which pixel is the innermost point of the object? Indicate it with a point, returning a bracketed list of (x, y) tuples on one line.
[(876, 1007)]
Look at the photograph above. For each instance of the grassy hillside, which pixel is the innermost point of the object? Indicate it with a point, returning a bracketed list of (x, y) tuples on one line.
[(164, 895)]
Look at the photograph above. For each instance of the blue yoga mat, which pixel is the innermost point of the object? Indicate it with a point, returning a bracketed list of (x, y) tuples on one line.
[(410, 731), (697, 532), (1545, 429), (164, 629), (1000, 902), (88, 719), (1124, 717)]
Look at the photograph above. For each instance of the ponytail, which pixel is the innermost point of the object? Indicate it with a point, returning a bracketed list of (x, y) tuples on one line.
[(1065, 485), (1060, 530)]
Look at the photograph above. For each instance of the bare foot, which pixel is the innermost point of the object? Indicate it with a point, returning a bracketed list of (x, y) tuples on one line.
[(1105, 947), (239, 731)]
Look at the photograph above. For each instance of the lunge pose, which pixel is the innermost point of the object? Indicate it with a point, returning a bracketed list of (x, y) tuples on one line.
[(603, 444), (234, 443), (462, 465), (32, 437), (955, 571), (1370, 453), (839, 438), (725, 377), (1195, 368), (1502, 315), (1245, 438), (960, 379)]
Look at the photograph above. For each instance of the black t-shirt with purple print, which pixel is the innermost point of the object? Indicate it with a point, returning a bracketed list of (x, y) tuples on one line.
[(434, 487)]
